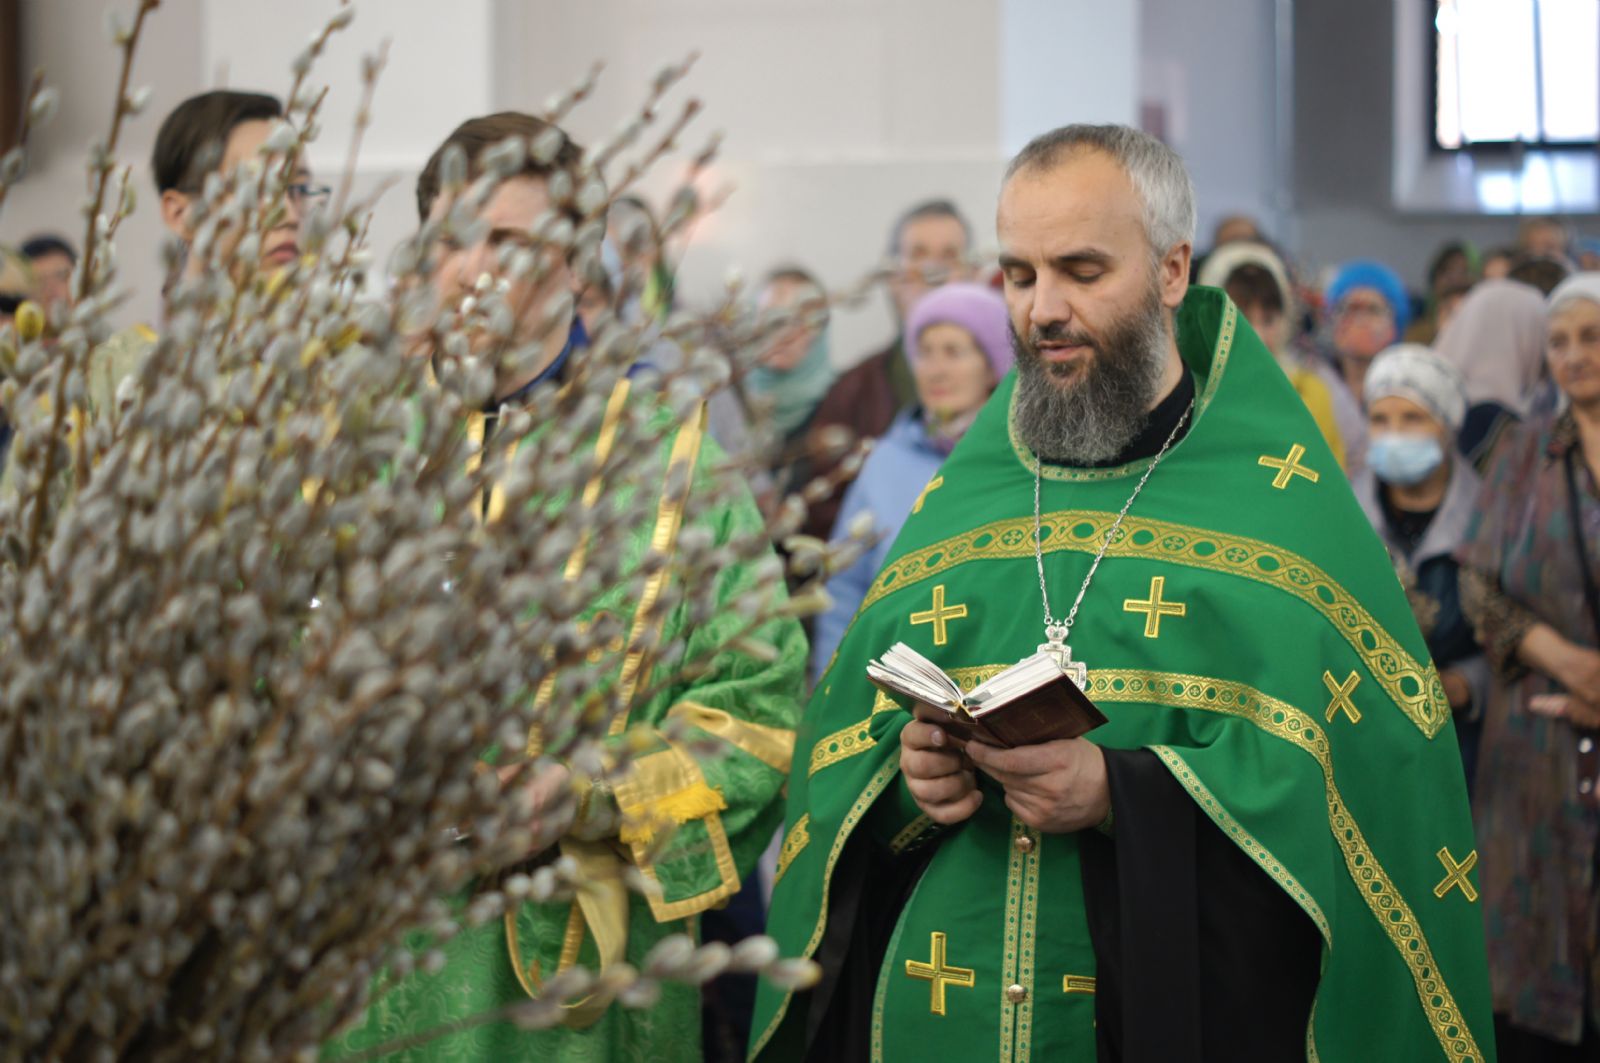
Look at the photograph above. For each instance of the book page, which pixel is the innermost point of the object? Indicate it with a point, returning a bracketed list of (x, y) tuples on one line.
[(1027, 674), (913, 675)]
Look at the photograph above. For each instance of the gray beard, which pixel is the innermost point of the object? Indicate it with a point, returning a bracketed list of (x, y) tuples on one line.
[(1092, 419)]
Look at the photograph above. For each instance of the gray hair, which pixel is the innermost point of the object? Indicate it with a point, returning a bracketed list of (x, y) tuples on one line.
[(1157, 173)]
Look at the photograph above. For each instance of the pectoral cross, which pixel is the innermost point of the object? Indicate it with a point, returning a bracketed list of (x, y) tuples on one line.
[(1055, 645), (1288, 468), (938, 975), (939, 616)]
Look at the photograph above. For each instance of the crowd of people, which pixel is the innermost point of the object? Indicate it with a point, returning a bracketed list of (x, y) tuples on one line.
[(1465, 416)]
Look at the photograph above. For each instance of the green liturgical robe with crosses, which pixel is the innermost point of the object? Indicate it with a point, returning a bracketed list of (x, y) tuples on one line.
[(1246, 628)]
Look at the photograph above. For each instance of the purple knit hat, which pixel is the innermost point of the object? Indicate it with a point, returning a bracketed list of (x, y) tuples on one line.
[(975, 308)]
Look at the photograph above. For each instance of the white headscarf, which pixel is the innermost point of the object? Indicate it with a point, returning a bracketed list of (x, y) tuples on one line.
[(1496, 340), (1415, 372), (1577, 286)]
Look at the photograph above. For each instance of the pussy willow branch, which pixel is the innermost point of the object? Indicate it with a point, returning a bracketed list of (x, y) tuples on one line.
[(371, 69), (35, 87), (69, 353)]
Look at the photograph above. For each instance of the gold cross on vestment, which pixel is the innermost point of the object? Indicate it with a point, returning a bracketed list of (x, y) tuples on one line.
[(1288, 468), (1341, 696), (1456, 875), (939, 616), (1154, 608), (938, 975), (932, 486)]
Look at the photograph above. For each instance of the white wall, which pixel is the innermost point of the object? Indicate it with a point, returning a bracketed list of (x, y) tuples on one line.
[(837, 114), (1210, 66), (69, 42)]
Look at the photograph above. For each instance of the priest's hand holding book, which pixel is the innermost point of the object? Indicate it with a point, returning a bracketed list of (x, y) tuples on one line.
[(1022, 727)]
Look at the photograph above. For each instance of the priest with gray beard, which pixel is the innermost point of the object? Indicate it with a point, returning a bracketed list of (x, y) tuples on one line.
[(1266, 852)]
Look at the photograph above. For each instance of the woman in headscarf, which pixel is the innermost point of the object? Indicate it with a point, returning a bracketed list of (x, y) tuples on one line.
[(795, 371), (1528, 585), (1496, 340), (959, 343), (1420, 496)]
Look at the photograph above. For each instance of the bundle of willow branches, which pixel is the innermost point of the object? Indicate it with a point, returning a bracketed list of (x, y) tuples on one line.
[(256, 634)]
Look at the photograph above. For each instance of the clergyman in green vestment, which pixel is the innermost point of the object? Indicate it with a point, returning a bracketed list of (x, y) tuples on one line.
[(1266, 853), (700, 800)]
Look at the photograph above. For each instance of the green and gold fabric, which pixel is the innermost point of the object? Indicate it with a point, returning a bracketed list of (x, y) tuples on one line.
[(1246, 627), (698, 804)]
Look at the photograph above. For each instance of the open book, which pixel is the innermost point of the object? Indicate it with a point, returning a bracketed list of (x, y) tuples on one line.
[(1033, 701)]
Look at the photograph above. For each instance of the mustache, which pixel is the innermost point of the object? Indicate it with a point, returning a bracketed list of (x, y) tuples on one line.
[(1059, 332)]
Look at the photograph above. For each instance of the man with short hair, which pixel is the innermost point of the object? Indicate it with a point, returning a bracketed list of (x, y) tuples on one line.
[(930, 245), (706, 755), (1266, 852), (214, 132), (1543, 237), (217, 132), (52, 259)]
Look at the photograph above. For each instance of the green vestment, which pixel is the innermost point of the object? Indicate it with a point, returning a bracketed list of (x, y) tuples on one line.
[(698, 811), (1247, 628)]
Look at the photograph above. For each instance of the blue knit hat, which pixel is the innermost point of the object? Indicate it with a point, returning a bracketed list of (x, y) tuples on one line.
[(1365, 273)]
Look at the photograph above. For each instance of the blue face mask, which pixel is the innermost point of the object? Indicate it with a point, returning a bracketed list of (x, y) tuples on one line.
[(1404, 460)]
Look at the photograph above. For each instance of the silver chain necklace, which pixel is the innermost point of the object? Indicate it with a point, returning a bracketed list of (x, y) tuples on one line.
[(1056, 631)]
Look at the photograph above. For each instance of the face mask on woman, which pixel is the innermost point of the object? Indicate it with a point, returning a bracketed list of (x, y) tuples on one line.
[(1404, 460)]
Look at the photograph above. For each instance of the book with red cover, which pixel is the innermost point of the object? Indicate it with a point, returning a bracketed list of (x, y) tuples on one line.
[(1033, 701)]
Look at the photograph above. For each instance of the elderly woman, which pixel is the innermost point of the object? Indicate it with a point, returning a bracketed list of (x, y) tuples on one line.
[(1528, 584), (960, 346), (1420, 496), (1369, 310)]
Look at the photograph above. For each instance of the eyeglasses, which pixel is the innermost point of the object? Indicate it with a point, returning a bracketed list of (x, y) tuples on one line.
[(307, 195), (1370, 311)]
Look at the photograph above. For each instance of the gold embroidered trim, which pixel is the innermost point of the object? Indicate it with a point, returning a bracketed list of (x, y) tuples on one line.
[(669, 518), (1033, 859), (1078, 983), (841, 745), (1414, 686), (574, 567), (796, 840), (854, 740), (1219, 360), (1243, 838), (912, 833), (772, 746), (1282, 720), (1017, 957), (863, 802)]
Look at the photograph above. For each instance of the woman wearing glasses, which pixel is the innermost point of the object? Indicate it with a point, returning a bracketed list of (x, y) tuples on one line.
[(1529, 585)]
